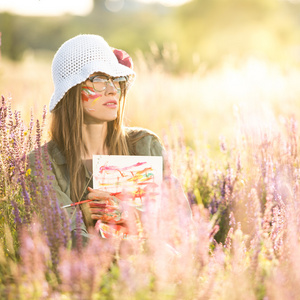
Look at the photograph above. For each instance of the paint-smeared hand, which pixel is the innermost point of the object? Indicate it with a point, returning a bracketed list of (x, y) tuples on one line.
[(106, 207)]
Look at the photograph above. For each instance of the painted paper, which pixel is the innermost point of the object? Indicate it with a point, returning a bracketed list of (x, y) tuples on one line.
[(131, 179)]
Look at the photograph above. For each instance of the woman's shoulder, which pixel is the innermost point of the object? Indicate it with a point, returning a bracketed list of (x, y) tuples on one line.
[(139, 132), (145, 141), (48, 151)]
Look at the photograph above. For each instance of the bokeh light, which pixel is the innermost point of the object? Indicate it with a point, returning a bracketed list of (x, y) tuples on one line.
[(46, 8)]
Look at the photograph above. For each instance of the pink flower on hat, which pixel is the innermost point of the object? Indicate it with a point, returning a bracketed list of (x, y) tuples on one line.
[(123, 58)]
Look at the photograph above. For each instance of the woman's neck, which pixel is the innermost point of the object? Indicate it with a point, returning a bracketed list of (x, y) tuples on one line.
[(94, 139)]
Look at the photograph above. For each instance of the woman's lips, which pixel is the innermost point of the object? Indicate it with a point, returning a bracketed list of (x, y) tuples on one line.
[(111, 104)]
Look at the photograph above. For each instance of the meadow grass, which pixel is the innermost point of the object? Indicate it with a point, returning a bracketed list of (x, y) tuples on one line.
[(207, 104), (231, 139)]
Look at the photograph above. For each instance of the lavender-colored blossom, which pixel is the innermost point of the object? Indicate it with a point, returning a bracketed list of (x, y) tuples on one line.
[(78, 236), (16, 212)]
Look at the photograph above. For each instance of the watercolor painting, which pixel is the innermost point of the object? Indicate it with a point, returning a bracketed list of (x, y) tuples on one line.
[(131, 179)]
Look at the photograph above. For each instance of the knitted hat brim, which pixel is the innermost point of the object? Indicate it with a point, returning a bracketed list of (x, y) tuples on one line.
[(80, 57), (116, 71)]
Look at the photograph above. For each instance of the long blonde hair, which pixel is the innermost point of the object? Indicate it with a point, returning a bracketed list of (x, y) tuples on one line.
[(66, 132)]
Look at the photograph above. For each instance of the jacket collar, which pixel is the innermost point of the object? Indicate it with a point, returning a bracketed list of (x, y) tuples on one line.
[(59, 158)]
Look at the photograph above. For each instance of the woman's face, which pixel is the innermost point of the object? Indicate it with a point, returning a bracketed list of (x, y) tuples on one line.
[(99, 106)]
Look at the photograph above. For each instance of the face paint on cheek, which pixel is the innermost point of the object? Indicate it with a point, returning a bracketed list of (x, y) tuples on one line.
[(88, 93), (99, 96)]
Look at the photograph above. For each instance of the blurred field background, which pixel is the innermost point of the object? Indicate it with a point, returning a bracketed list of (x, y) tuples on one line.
[(218, 80), (206, 104), (197, 64)]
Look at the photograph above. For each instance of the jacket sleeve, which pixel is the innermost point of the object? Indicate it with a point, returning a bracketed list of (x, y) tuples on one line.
[(156, 148), (56, 179), (149, 144)]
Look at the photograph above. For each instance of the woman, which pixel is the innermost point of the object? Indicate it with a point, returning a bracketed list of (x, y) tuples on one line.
[(91, 80)]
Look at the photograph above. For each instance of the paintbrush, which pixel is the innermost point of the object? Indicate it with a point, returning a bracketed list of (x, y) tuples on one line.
[(76, 203), (84, 201)]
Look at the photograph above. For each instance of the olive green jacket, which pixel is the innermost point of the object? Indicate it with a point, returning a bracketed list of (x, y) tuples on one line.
[(148, 145)]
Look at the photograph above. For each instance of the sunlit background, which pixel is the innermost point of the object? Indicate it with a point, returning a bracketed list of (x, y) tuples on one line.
[(218, 81), (201, 64), (76, 7)]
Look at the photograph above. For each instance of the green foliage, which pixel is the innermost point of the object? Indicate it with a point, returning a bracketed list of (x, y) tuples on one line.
[(203, 31), (218, 29), (108, 282)]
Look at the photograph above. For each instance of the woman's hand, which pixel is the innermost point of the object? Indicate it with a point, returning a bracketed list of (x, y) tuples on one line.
[(106, 207)]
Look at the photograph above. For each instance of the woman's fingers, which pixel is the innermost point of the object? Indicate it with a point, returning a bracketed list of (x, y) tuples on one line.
[(106, 219), (106, 207), (114, 217), (98, 211), (102, 199), (104, 210), (99, 204), (108, 203), (98, 195)]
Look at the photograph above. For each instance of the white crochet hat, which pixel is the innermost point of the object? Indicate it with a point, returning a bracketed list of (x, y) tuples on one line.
[(80, 57)]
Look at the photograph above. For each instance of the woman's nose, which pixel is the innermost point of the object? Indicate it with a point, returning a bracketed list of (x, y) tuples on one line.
[(110, 88)]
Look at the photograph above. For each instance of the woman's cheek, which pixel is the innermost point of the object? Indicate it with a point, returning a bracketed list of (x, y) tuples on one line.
[(95, 99), (90, 100), (84, 97), (88, 93)]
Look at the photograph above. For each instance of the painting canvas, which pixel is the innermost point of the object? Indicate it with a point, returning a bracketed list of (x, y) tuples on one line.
[(132, 178)]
